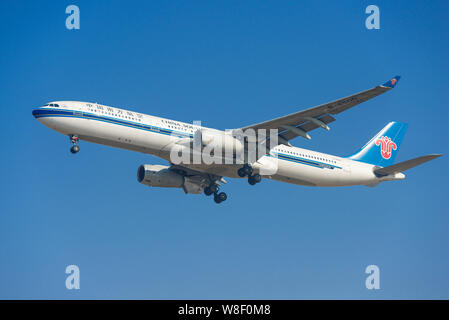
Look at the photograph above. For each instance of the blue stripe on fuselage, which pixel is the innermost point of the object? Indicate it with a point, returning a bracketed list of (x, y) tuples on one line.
[(304, 161), (41, 113)]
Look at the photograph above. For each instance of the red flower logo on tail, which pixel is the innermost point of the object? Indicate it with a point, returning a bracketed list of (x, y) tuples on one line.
[(386, 146)]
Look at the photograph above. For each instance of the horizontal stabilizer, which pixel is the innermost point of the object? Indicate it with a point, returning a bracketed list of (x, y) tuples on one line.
[(402, 166)]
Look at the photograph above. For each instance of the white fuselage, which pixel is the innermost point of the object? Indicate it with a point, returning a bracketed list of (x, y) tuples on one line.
[(153, 135)]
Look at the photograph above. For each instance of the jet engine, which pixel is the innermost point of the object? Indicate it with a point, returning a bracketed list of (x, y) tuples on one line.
[(159, 176)]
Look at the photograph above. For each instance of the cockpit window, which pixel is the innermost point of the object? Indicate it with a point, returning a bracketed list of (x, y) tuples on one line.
[(52, 105)]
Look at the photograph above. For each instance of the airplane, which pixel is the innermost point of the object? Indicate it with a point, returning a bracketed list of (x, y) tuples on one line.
[(369, 166)]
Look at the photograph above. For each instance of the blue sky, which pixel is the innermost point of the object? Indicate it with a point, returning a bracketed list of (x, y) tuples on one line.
[(228, 64)]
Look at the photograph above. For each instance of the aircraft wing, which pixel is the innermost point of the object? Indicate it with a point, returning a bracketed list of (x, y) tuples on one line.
[(300, 123)]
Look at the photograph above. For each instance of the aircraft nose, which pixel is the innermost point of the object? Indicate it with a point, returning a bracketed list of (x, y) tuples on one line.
[(37, 112)]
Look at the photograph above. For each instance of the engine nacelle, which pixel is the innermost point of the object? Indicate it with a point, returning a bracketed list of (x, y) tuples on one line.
[(159, 176)]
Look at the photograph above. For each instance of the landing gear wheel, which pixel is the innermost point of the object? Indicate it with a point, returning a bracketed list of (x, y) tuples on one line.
[(208, 191), (256, 178), (75, 149), (244, 171), (220, 197), (247, 169), (213, 188), (74, 140)]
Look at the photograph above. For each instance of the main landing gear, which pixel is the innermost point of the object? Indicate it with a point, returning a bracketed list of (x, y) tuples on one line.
[(74, 140), (213, 189), (246, 170)]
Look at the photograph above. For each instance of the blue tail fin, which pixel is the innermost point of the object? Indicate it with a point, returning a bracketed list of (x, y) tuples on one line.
[(382, 149)]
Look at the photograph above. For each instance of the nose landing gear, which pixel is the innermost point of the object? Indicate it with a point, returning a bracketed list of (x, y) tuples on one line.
[(74, 140)]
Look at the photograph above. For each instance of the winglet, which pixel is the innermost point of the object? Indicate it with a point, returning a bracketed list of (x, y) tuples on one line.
[(392, 83)]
